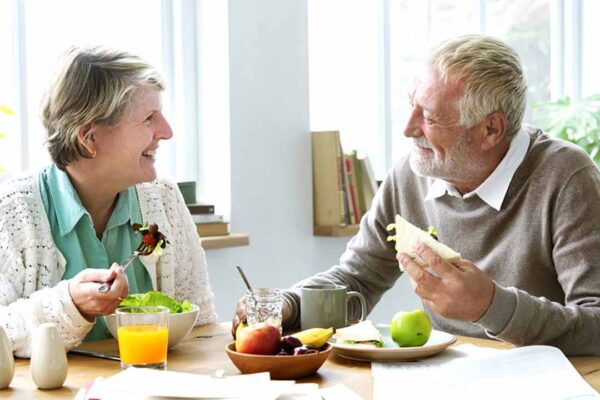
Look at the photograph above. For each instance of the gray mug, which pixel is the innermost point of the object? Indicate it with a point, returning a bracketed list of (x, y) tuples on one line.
[(324, 306)]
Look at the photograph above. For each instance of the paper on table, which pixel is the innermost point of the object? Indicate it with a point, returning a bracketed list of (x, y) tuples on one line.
[(140, 383), (338, 392), (471, 372)]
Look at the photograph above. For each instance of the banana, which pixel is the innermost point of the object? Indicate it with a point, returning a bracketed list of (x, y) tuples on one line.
[(315, 336)]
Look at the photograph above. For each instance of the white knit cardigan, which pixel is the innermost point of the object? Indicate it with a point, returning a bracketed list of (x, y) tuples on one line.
[(32, 291)]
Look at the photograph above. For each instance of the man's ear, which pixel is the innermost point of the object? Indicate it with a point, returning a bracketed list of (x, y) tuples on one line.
[(85, 136), (494, 131)]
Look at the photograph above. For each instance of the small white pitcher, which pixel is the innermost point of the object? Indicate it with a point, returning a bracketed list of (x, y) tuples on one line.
[(7, 361), (48, 358)]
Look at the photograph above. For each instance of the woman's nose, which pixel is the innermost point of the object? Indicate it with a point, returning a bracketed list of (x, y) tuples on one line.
[(163, 131)]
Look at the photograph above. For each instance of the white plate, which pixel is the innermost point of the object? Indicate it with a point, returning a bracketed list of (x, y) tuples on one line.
[(438, 342)]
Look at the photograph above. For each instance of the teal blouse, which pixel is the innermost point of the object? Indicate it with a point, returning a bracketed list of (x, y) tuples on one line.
[(74, 235)]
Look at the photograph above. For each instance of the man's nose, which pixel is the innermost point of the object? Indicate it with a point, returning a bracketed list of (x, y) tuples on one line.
[(413, 125)]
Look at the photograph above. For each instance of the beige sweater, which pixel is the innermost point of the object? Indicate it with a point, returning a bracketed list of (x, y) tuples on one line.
[(31, 266), (542, 249)]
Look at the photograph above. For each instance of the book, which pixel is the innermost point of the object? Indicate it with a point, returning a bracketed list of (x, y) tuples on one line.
[(328, 194), (205, 218), (212, 229), (473, 372), (222, 241), (368, 181), (360, 193), (200, 208), (351, 190), (345, 198)]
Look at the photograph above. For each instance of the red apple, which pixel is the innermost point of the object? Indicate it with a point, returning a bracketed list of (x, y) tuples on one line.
[(262, 338)]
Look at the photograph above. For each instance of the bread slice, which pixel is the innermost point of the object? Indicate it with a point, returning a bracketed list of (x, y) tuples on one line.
[(363, 334), (407, 235)]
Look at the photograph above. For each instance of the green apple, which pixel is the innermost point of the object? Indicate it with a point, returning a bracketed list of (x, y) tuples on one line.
[(410, 329)]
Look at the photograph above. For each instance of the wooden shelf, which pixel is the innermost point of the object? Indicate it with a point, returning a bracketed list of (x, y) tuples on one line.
[(341, 230), (220, 242)]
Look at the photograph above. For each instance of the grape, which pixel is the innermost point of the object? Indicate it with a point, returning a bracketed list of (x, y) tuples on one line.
[(289, 343), (305, 349)]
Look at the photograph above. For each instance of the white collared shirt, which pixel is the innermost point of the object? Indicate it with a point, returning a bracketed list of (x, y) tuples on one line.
[(494, 188)]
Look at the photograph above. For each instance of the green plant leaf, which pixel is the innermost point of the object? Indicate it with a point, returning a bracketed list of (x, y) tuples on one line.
[(575, 121), (6, 110)]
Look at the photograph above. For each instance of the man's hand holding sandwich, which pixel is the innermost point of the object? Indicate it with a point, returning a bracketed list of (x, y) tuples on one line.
[(458, 290)]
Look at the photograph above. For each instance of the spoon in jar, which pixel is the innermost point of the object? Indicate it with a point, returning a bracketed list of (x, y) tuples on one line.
[(244, 277), (247, 285)]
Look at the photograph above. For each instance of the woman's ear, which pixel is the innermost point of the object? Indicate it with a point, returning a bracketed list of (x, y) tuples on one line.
[(86, 139), (495, 130)]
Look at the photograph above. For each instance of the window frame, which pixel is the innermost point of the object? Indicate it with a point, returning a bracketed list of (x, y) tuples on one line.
[(565, 44)]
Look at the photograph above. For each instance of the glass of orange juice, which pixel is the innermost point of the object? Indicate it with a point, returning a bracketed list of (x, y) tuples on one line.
[(143, 334)]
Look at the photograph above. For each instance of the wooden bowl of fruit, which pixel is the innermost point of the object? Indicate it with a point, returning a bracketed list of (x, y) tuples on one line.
[(283, 358)]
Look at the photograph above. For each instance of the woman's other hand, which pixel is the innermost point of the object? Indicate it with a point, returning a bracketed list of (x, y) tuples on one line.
[(83, 289)]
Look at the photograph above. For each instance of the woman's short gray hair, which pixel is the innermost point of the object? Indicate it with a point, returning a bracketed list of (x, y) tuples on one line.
[(92, 84), (492, 78)]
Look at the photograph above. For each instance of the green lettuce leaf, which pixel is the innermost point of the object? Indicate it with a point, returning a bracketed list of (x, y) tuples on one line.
[(154, 298), (186, 306), (376, 343)]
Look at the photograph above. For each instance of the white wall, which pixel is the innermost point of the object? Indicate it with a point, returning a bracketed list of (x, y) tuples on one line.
[(271, 162)]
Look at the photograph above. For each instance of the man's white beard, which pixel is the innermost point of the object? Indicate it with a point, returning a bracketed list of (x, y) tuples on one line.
[(460, 163)]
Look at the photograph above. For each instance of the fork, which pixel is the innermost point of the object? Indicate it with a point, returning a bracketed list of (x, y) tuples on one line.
[(142, 250)]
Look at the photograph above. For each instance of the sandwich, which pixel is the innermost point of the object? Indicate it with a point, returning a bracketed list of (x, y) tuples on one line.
[(407, 235), (363, 334)]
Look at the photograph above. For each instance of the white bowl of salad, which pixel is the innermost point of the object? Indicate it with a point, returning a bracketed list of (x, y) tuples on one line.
[(182, 316)]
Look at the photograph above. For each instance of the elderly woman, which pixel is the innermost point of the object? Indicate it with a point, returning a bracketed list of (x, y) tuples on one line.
[(65, 230)]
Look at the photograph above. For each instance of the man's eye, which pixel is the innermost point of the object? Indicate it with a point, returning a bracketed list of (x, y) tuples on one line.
[(149, 119)]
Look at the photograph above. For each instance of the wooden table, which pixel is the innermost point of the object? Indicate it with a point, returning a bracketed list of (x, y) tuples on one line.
[(204, 353)]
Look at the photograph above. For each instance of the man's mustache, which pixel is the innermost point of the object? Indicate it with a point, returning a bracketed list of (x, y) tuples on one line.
[(422, 142)]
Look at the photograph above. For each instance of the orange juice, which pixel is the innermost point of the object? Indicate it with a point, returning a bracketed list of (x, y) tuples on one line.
[(143, 344)]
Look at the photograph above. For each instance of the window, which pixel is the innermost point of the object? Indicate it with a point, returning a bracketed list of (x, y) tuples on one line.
[(364, 54), (344, 71), (8, 124), (415, 27), (50, 31), (590, 57), (169, 35)]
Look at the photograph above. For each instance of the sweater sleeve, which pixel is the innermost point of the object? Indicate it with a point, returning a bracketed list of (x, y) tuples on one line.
[(31, 292), (21, 317), (522, 319), (368, 265)]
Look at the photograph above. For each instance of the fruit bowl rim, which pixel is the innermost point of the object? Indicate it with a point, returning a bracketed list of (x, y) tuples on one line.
[(327, 348)]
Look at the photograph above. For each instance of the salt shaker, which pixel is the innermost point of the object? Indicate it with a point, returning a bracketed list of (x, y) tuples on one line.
[(48, 358), (7, 361)]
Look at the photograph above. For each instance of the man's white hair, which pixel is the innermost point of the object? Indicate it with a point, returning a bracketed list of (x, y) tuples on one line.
[(492, 78)]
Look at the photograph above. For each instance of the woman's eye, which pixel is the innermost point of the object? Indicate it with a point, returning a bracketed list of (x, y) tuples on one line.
[(149, 119)]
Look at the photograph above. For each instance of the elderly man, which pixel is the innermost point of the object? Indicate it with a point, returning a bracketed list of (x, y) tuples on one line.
[(523, 207)]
